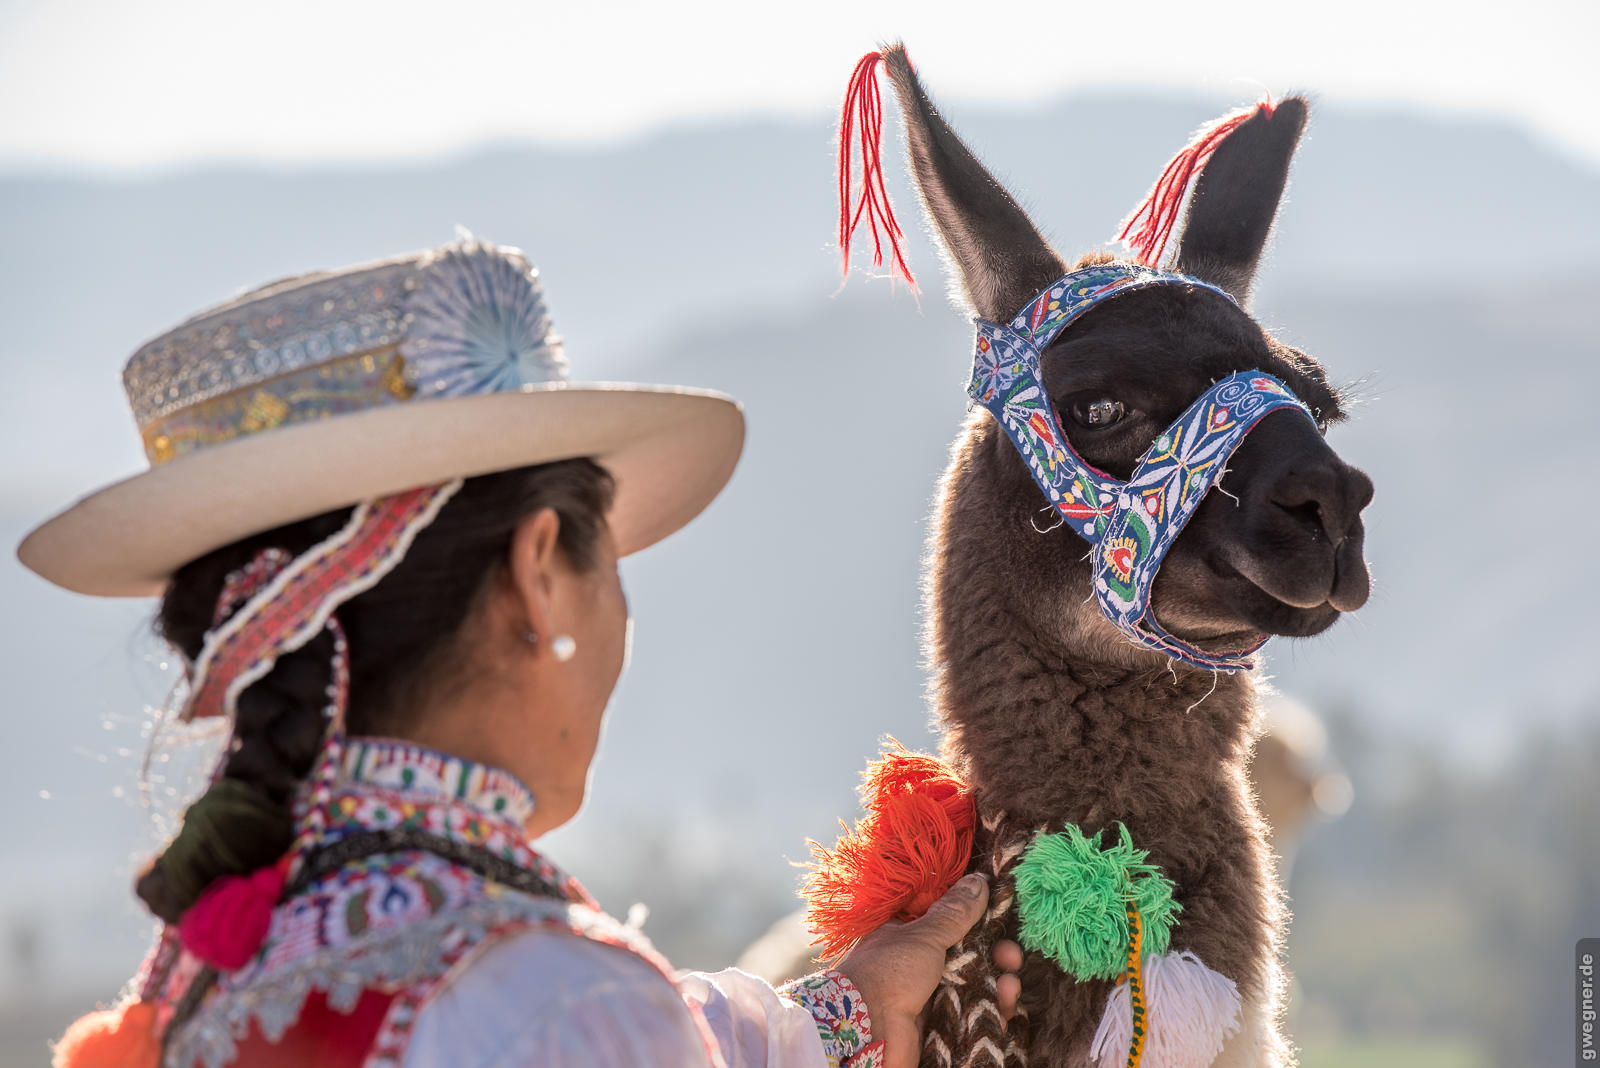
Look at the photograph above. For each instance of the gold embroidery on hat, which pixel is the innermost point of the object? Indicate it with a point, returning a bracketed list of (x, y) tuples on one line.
[(362, 380), (263, 412), (394, 379)]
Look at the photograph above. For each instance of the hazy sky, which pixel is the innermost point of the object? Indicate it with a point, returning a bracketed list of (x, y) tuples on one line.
[(141, 83)]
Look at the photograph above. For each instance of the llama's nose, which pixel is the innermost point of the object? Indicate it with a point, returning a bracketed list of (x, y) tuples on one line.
[(1325, 498)]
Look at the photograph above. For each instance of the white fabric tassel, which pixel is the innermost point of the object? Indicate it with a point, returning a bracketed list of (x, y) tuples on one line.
[(1191, 1010)]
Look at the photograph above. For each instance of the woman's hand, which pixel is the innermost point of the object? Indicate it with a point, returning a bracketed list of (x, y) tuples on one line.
[(897, 968)]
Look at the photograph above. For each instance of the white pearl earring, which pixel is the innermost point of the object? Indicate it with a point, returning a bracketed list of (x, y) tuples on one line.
[(563, 647)]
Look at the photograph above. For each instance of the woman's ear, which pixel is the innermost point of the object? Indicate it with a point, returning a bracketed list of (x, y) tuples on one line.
[(531, 571)]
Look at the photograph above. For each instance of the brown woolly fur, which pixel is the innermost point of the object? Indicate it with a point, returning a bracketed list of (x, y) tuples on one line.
[(1048, 712), (1051, 740)]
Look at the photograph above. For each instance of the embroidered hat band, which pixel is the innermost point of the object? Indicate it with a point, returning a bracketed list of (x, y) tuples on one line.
[(469, 318), (1131, 524)]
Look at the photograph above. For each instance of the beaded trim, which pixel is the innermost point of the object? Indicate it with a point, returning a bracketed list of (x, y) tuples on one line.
[(272, 331), (421, 952), (395, 765), (407, 881)]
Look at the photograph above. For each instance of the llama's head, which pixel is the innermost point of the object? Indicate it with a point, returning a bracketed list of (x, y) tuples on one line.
[(1275, 548)]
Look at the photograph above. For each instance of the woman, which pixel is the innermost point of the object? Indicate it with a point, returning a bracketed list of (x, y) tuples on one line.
[(415, 684)]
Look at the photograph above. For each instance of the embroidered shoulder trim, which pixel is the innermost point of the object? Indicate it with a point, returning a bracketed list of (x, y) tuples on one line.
[(390, 959)]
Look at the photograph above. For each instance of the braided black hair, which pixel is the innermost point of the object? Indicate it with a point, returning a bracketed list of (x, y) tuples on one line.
[(401, 635)]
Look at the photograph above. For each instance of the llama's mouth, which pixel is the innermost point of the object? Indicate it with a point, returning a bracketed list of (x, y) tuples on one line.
[(1224, 601), (1256, 598)]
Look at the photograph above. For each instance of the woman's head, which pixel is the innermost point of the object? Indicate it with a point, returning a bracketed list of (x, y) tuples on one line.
[(452, 649)]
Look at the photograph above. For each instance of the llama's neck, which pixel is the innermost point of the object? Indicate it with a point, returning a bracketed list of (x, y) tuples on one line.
[(1051, 739), (1052, 736)]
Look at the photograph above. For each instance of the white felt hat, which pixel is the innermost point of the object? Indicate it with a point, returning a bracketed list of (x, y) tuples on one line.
[(320, 391)]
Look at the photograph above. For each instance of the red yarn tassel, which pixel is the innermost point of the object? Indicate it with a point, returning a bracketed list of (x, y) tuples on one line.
[(913, 844), (862, 120), (1146, 231)]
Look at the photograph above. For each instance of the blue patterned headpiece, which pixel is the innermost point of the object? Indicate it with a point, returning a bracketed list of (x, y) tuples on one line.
[(1131, 524)]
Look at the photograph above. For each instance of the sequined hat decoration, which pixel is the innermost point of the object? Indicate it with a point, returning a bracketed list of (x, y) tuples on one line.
[(323, 390), (1131, 524), (466, 319)]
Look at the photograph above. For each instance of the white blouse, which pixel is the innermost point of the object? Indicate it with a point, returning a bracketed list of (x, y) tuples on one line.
[(548, 997)]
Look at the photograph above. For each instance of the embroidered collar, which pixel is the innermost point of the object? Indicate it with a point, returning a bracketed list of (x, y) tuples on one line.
[(420, 773), (394, 919)]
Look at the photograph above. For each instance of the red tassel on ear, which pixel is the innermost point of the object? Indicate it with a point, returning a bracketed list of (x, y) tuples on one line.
[(862, 120), (1146, 231)]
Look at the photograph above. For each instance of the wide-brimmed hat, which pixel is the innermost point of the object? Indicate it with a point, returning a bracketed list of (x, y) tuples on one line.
[(327, 389)]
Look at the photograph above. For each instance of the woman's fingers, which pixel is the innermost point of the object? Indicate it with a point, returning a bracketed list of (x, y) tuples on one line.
[(897, 967), (1007, 989), (954, 914)]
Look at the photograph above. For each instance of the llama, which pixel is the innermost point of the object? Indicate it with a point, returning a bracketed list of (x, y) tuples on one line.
[(1048, 712)]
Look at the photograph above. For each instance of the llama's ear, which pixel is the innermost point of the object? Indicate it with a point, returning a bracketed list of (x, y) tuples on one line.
[(1003, 260), (1236, 197)]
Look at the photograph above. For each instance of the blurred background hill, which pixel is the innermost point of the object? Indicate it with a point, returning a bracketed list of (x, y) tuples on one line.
[(1447, 267)]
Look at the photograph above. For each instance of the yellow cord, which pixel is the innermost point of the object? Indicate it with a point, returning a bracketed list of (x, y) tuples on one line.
[(1135, 983)]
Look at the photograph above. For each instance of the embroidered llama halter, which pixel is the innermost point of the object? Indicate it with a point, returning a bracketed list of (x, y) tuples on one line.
[(1131, 524)]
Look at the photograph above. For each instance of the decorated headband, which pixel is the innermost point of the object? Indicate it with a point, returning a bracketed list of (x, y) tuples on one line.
[(1131, 524)]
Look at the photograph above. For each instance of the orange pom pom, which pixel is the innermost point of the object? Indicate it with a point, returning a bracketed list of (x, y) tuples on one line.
[(112, 1038), (913, 844)]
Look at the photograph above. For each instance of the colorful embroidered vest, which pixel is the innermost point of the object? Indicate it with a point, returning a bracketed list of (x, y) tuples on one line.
[(351, 958)]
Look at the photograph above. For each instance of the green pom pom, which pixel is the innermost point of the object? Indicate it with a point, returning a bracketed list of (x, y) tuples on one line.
[(1071, 894)]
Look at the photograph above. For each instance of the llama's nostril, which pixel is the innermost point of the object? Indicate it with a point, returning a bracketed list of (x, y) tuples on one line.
[(1308, 515), (1324, 501)]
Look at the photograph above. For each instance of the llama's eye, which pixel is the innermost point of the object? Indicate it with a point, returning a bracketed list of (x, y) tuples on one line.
[(1097, 414)]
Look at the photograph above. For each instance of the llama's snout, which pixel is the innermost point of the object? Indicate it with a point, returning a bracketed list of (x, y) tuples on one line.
[(1325, 498), (1302, 538)]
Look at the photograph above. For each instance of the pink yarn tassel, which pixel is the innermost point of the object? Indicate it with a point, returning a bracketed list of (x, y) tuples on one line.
[(227, 925)]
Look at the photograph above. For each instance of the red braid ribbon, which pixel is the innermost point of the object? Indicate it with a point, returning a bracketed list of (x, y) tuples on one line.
[(861, 120), (1146, 231), (298, 602), (245, 583)]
